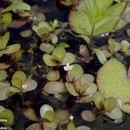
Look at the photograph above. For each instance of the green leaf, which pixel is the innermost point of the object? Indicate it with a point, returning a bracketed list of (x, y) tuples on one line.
[(49, 60), (118, 1), (19, 75), (16, 82), (64, 45), (3, 85), (3, 75), (7, 115), (2, 52), (59, 54), (101, 56), (4, 41), (71, 89), (7, 18), (109, 104), (112, 81), (18, 5), (71, 126), (95, 8), (69, 58), (14, 90), (50, 115), (99, 100), (12, 48), (75, 73)]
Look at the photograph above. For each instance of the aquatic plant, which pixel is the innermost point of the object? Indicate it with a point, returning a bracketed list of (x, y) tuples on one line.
[(94, 17), (58, 57), (18, 7), (46, 32), (7, 50), (6, 116), (113, 81)]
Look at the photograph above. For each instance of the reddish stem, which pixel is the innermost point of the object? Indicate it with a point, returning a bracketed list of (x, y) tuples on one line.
[(121, 15), (91, 37)]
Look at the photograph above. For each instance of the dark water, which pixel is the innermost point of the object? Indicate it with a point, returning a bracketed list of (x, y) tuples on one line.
[(53, 10)]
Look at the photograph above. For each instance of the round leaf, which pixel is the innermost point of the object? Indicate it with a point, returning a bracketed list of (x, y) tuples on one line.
[(75, 73), (49, 60), (54, 87)]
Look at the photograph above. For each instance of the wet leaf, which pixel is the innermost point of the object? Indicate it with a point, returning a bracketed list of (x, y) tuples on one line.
[(35, 126), (30, 114), (114, 114), (3, 75), (19, 75), (50, 115), (75, 73), (49, 125), (91, 89), (49, 60), (4, 93), (7, 18), (30, 85), (14, 89), (16, 82), (71, 126), (86, 79), (112, 81), (84, 128), (7, 115), (26, 33), (17, 6), (59, 54), (61, 115), (114, 47), (12, 48), (46, 47), (53, 75), (125, 45), (109, 104), (88, 116), (69, 58), (2, 52), (1, 108), (71, 89), (101, 56), (44, 108), (64, 45), (4, 66), (66, 2), (4, 41), (3, 85), (98, 100), (54, 87)]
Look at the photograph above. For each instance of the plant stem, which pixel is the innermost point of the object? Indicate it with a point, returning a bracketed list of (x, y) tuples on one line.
[(74, 2), (91, 37), (121, 15)]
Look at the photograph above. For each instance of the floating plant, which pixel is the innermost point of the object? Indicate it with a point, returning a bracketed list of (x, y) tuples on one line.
[(94, 17), (59, 57), (113, 81)]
